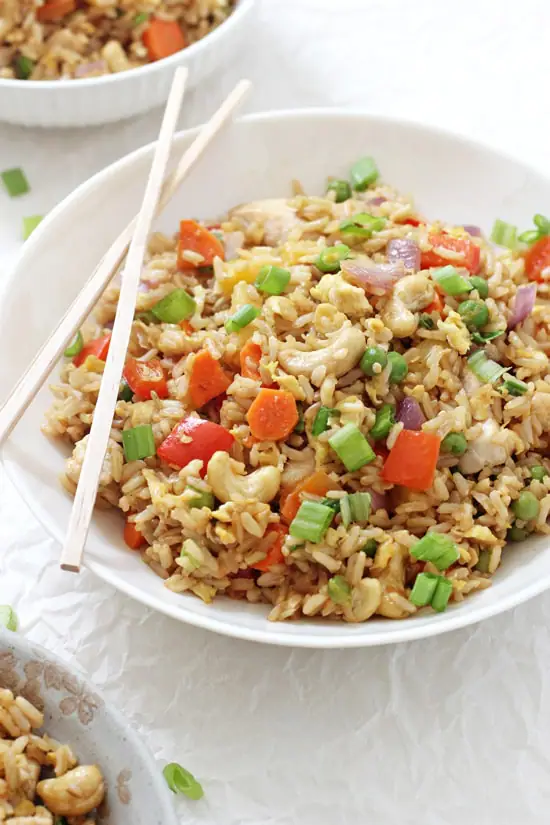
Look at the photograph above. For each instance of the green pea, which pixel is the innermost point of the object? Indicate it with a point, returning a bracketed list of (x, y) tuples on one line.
[(454, 443), (399, 368), (341, 188), (538, 472), (474, 314), (373, 361), (517, 533), (426, 321), (481, 285), (370, 548), (385, 419), (526, 507)]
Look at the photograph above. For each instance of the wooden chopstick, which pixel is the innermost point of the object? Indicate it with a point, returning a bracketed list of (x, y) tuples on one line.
[(98, 437), (44, 361)]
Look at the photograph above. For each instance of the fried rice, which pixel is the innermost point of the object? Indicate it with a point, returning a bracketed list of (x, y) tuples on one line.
[(41, 782), (375, 444), (53, 39)]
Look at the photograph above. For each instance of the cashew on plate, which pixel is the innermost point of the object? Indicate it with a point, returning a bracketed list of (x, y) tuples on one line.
[(341, 354), (229, 481), (75, 793)]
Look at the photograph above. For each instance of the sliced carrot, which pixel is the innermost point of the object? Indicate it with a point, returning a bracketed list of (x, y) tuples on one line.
[(436, 305), (317, 484), (163, 38), (464, 252), (207, 379), (272, 415), (133, 538), (537, 259), (250, 360), (275, 552), (55, 10), (186, 327), (196, 238), (412, 460)]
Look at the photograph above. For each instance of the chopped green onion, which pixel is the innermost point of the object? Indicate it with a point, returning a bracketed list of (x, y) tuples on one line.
[(125, 392), (487, 370), (437, 548), (138, 442), (424, 588), (543, 224), (484, 561), (426, 321), (29, 225), (329, 258), (333, 503), (538, 472), (311, 522), (75, 346), (202, 499), (351, 447), (526, 507), (442, 594), (341, 188), (363, 173), (320, 422), (15, 182), (23, 67), (373, 361), (529, 237), (451, 281), (504, 234), (339, 590), (370, 548), (8, 617), (345, 511), (140, 18), (242, 318), (355, 508), (181, 781), (272, 279), (301, 425), (385, 419), (516, 533), (483, 337), (454, 443), (147, 317), (474, 314), (399, 367), (514, 386), (362, 225), (481, 285), (174, 307)]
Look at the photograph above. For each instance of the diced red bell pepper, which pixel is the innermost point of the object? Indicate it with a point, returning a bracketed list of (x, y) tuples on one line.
[(98, 347), (412, 460), (132, 536), (469, 253), (145, 377), (201, 440), (537, 259)]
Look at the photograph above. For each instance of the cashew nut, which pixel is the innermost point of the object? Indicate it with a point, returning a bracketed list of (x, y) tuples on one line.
[(230, 483), (339, 356), (75, 793), (398, 318), (365, 600), (415, 291)]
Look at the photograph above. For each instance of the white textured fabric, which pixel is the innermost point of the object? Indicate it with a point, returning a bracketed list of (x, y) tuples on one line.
[(441, 732)]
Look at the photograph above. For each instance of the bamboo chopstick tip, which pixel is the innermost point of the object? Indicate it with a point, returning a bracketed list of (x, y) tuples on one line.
[(70, 568)]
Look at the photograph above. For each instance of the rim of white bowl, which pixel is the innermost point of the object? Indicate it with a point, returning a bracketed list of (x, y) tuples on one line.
[(30, 648), (208, 41), (454, 619)]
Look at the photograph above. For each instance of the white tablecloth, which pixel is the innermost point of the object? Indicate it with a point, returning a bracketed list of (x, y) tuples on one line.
[(440, 732)]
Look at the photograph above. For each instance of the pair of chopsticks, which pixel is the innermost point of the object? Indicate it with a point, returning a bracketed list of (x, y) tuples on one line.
[(132, 245)]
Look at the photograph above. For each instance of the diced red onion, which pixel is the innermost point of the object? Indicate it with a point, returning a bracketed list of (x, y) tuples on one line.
[(373, 277), (377, 201), (523, 304), (410, 414), (472, 230), (232, 242), (403, 249), (87, 69), (379, 501)]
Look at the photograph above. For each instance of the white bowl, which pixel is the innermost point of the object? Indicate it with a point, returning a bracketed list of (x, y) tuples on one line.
[(77, 715), (451, 178), (94, 100)]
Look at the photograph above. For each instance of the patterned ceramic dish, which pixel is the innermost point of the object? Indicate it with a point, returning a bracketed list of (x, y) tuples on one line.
[(77, 715)]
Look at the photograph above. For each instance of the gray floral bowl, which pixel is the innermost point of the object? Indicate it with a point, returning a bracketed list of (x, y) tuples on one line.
[(76, 714)]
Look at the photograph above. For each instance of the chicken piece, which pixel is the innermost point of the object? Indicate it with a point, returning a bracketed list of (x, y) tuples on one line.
[(485, 450), (274, 214), (112, 463)]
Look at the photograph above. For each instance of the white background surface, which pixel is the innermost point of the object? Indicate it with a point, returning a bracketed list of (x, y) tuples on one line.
[(442, 732)]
